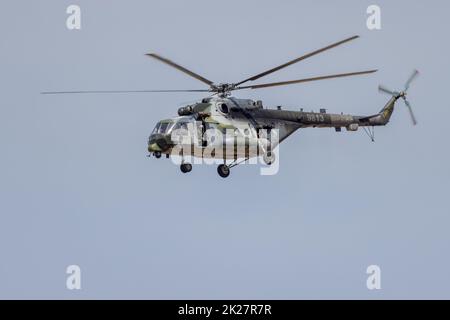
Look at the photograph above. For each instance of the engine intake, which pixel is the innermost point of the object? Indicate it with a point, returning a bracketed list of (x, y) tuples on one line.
[(185, 111)]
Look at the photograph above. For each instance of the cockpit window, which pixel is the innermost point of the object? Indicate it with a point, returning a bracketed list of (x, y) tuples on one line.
[(163, 127), (180, 125), (156, 128)]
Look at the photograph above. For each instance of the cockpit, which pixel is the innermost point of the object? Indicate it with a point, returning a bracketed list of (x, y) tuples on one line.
[(167, 126), (163, 127), (160, 139)]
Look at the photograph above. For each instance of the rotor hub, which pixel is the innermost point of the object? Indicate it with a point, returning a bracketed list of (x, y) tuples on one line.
[(223, 89)]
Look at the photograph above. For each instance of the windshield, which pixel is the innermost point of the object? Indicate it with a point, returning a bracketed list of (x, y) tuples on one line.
[(167, 126), (163, 127)]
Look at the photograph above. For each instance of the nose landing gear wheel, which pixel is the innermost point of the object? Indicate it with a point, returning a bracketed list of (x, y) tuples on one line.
[(186, 167), (223, 170)]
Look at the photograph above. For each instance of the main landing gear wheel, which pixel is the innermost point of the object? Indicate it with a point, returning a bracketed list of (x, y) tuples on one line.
[(186, 167), (157, 154), (223, 170)]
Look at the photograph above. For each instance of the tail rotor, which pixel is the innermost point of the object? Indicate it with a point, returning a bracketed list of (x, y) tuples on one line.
[(402, 94)]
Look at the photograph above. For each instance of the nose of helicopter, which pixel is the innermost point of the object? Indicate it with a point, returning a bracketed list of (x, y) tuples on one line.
[(158, 143)]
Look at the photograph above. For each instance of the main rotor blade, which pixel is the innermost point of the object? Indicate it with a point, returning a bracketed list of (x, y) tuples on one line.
[(411, 78), (273, 84), (120, 91), (180, 68), (297, 60), (413, 118)]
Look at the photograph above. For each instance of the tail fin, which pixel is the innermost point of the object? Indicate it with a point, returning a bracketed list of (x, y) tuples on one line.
[(386, 113)]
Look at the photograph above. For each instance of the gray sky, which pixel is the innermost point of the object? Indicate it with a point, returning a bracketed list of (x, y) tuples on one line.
[(76, 186)]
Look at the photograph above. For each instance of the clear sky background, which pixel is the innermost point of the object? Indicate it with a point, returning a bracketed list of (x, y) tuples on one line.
[(76, 186)]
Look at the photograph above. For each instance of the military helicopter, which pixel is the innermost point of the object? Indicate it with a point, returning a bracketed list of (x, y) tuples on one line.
[(250, 120)]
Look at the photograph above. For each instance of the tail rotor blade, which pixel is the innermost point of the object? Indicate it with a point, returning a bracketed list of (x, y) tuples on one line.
[(413, 118), (386, 90), (411, 79)]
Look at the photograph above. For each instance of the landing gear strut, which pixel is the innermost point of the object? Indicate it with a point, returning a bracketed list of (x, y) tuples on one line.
[(186, 167), (223, 170)]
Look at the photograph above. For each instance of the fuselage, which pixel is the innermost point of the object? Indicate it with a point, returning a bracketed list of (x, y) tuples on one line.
[(242, 122)]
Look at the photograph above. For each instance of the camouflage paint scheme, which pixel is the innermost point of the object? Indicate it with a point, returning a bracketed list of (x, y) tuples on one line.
[(250, 129), (245, 117)]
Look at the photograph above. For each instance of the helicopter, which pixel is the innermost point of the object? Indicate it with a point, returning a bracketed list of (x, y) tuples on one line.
[(249, 128)]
